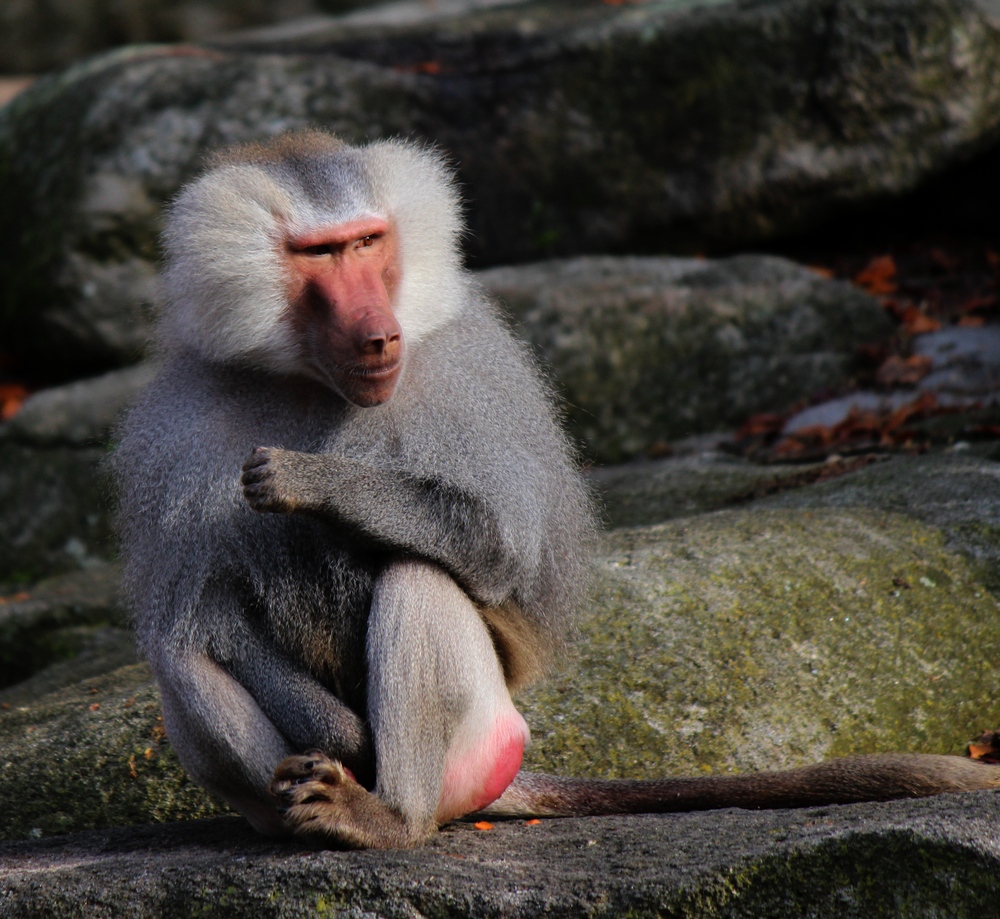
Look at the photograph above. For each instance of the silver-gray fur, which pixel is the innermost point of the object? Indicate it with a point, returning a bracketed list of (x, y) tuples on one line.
[(257, 624)]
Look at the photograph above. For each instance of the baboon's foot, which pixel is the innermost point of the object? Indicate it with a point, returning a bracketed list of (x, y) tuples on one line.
[(320, 800)]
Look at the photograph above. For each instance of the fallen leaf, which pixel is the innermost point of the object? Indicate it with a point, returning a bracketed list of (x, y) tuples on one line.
[(944, 260), (899, 371), (483, 825), (534, 822), (762, 425), (12, 396), (922, 405), (983, 302), (95, 706), (877, 276), (986, 747), (916, 322), (15, 598)]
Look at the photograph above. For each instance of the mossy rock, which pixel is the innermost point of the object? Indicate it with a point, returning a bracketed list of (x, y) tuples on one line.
[(727, 642), (93, 755), (751, 640)]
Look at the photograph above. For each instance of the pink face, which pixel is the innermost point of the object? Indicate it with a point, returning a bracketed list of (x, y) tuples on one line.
[(342, 285)]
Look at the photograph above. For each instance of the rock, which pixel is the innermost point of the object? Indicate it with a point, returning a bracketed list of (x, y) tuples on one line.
[(55, 515), (955, 492), (771, 116), (840, 617), (647, 350), (739, 640), (755, 639), (643, 492), (107, 762), (59, 618), (964, 374), (929, 858), (37, 36), (78, 414), (966, 362), (96, 650), (55, 512)]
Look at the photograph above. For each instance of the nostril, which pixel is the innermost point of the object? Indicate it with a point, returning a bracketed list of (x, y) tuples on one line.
[(374, 344)]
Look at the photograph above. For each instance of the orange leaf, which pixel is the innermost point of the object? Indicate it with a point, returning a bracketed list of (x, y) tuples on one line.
[(920, 324), (986, 747), (534, 822), (11, 397), (763, 424), (483, 825), (897, 371), (877, 276), (14, 598), (926, 402)]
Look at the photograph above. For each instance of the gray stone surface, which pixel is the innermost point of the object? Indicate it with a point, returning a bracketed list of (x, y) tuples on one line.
[(577, 127), (927, 858), (55, 511), (648, 350), (63, 617), (38, 35), (841, 617), (82, 413), (724, 642)]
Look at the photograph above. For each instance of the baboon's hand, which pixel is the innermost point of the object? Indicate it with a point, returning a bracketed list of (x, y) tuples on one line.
[(266, 481), (320, 800)]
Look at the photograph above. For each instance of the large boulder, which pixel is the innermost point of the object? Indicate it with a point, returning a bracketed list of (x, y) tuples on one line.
[(55, 505), (734, 634), (577, 127), (36, 35), (742, 639), (649, 350)]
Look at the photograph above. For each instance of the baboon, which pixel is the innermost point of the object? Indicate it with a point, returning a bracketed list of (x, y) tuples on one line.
[(351, 525)]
